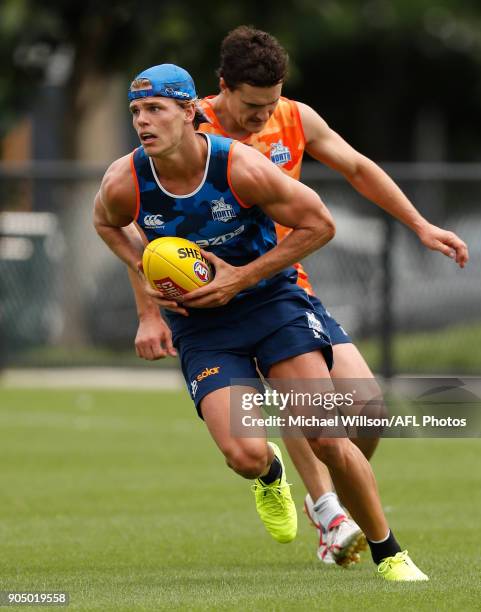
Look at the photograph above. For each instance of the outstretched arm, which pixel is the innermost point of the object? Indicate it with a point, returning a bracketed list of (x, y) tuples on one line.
[(373, 183)]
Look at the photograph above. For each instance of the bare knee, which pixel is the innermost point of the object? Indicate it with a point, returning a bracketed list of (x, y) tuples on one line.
[(367, 446), (367, 438), (249, 462), (331, 451)]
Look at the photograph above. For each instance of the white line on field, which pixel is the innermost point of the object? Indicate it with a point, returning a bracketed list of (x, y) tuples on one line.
[(93, 378)]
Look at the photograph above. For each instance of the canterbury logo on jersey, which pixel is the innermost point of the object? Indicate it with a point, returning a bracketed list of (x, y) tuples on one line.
[(216, 240), (153, 221)]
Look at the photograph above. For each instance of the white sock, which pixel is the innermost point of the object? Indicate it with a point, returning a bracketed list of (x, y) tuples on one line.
[(327, 508), (383, 540)]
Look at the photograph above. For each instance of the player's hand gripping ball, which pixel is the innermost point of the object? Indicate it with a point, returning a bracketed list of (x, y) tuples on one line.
[(174, 266)]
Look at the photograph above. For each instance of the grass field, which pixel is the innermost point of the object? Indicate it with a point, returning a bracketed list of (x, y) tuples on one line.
[(450, 350), (123, 500)]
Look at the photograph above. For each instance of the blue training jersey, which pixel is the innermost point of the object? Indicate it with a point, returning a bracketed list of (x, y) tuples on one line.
[(212, 216)]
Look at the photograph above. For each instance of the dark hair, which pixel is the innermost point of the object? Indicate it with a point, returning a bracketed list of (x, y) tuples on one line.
[(252, 56)]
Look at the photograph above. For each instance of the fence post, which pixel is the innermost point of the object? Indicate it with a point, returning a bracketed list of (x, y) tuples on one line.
[(387, 315)]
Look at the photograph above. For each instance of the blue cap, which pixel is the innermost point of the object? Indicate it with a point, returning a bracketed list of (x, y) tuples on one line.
[(167, 80)]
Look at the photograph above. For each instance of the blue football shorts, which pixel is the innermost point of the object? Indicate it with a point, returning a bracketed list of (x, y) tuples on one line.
[(220, 344), (335, 330)]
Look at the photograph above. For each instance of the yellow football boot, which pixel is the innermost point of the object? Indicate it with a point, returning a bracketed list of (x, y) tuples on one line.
[(400, 568), (275, 505)]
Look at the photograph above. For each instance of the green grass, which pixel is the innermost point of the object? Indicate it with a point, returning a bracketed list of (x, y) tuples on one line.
[(123, 500), (450, 350)]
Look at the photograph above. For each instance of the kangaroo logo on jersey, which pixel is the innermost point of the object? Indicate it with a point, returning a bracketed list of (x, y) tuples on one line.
[(222, 211), (279, 153), (153, 221)]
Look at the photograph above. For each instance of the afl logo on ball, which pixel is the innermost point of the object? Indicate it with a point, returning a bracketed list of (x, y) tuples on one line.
[(201, 271)]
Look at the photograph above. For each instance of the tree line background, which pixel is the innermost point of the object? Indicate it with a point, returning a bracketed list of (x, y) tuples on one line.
[(376, 70), (399, 79)]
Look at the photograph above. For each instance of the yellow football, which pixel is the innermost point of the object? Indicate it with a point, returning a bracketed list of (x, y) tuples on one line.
[(174, 266)]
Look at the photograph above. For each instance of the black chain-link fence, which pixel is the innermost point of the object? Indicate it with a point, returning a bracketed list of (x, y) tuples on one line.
[(66, 299)]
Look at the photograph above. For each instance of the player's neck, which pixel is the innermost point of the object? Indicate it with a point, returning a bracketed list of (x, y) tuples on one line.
[(182, 170), (227, 122)]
